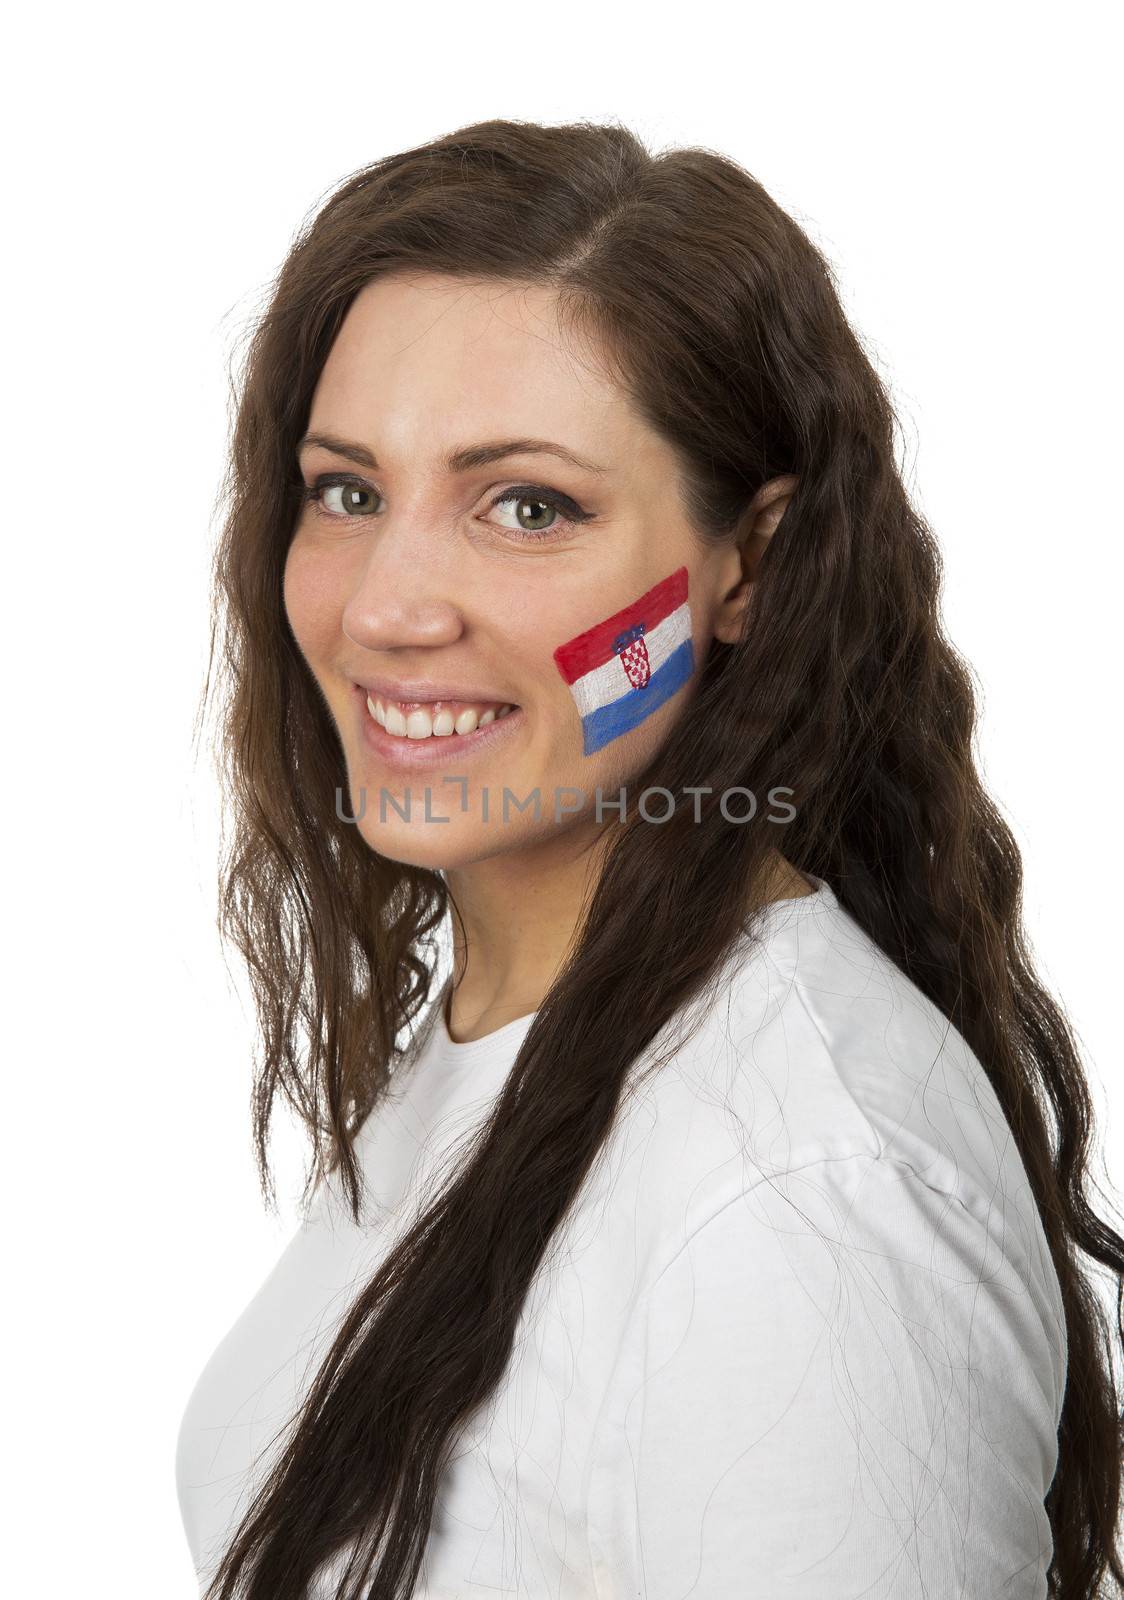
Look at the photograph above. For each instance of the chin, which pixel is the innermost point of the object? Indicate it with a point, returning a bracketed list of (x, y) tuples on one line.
[(437, 846)]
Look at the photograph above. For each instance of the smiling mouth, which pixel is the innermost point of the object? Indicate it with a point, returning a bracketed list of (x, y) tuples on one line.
[(437, 719)]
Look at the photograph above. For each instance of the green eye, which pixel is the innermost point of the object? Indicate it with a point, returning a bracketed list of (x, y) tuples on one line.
[(351, 501), (541, 505), (560, 507), (340, 497)]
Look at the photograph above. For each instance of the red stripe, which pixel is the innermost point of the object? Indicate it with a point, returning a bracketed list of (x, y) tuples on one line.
[(595, 646)]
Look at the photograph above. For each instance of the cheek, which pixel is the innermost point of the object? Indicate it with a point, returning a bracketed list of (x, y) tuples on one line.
[(621, 670), (312, 604)]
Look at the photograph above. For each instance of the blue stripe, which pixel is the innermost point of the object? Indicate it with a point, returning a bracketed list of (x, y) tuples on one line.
[(609, 722)]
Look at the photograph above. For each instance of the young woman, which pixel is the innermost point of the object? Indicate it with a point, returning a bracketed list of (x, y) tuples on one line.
[(716, 1227)]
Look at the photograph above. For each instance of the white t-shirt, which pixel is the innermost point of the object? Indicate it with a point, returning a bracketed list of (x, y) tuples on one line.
[(800, 1335)]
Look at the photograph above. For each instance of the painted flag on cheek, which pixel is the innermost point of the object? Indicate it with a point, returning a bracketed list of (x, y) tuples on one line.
[(623, 669)]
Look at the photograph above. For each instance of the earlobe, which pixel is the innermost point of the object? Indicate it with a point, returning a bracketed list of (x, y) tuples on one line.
[(734, 587), (730, 622), (762, 519)]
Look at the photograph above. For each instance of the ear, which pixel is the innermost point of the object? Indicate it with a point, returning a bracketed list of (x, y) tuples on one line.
[(760, 521)]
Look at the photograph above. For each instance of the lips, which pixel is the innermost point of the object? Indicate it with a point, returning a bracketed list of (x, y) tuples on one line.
[(439, 719), (432, 750), (426, 691)]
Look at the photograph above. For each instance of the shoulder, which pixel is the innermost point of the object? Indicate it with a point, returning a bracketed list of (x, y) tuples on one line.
[(863, 1251), (811, 1044), (816, 1081), (871, 1391)]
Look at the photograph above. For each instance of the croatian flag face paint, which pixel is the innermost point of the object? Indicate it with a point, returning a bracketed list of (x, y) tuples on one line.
[(623, 669)]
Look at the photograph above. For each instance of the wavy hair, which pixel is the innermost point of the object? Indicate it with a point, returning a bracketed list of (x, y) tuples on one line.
[(722, 323)]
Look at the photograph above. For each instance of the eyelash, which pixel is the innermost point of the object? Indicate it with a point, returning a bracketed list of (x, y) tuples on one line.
[(313, 494)]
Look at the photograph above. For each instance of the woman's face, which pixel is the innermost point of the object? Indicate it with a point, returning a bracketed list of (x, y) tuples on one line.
[(439, 589)]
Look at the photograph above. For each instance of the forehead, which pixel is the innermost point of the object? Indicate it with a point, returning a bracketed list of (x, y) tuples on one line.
[(425, 362)]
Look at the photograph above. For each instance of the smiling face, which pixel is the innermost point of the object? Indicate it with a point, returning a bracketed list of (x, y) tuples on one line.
[(437, 590)]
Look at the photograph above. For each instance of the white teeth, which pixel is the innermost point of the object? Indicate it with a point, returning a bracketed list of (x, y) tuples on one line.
[(421, 724)]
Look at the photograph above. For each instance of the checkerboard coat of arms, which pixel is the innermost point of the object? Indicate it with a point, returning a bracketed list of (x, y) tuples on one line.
[(633, 653)]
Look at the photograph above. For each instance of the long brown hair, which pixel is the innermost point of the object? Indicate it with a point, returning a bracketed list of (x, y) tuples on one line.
[(721, 320)]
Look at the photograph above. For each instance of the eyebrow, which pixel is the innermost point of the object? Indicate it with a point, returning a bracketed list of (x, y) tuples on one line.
[(466, 459)]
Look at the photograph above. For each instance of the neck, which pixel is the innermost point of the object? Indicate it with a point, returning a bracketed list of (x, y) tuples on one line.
[(516, 916), (519, 912)]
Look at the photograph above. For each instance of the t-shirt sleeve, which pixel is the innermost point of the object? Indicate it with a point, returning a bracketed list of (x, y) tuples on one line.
[(844, 1383)]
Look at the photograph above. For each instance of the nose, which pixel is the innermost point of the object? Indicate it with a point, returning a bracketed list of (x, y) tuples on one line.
[(403, 595)]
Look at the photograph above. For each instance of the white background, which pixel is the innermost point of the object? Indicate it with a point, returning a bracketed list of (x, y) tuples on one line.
[(957, 164)]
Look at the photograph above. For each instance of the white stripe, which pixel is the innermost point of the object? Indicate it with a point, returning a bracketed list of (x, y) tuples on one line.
[(609, 682)]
